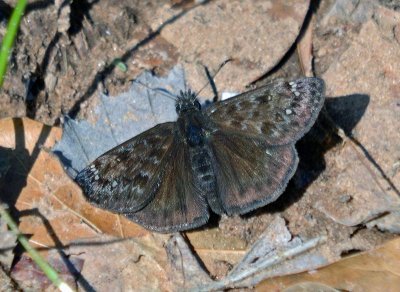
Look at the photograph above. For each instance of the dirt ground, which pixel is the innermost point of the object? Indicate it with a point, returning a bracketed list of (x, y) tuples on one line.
[(348, 180)]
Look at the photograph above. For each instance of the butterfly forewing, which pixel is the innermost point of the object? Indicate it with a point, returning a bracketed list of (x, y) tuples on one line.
[(280, 112), (124, 179), (249, 172)]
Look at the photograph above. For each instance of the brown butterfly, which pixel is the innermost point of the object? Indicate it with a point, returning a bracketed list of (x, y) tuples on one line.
[(232, 157)]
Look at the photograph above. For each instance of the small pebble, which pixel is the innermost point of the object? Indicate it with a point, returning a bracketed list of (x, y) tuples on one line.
[(345, 198)]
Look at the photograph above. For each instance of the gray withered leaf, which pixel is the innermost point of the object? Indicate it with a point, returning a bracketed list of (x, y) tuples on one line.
[(229, 158)]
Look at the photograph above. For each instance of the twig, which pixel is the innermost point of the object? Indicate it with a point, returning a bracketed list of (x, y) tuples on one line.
[(234, 279)]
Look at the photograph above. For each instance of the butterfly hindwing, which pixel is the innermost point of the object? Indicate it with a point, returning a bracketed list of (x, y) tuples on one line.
[(281, 112), (179, 203), (249, 172)]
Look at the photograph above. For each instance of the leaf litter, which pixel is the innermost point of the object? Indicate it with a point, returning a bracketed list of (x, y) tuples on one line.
[(306, 215), (203, 241), (212, 237)]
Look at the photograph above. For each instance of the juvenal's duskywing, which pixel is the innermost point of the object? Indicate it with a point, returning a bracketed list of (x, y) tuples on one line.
[(231, 157)]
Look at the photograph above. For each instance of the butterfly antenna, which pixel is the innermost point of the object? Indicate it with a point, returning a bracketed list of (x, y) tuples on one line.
[(161, 91), (212, 83), (211, 78)]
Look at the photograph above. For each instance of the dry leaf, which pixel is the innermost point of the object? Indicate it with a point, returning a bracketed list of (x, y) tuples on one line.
[(374, 270), (51, 206)]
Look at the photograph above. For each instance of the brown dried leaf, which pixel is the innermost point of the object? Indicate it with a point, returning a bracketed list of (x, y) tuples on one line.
[(52, 207), (363, 272)]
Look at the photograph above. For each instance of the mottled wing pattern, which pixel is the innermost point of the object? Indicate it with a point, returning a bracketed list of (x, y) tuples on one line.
[(147, 179), (246, 161), (282, 112), (249, 172), (124, 178), (179, 204)]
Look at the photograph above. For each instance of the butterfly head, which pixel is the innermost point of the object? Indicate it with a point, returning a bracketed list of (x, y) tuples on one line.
[(187, 101)]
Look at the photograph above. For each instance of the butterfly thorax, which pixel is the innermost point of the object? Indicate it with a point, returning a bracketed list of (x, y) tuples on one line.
[(192, 127), (191, 122)]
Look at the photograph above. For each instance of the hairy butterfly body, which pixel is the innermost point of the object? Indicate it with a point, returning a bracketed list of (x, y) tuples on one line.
[(232, 157)]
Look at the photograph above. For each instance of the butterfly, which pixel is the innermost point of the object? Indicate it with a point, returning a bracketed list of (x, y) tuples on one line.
[(229, 158)]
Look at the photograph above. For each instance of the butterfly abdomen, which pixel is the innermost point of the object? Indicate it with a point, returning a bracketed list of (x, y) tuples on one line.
[(203, 171), (196, 129), (200, 159), (202, 166)]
